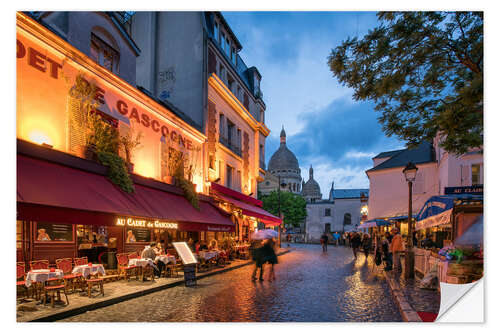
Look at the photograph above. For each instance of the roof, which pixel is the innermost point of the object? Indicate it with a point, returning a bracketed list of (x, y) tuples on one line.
[(388, 153), (349, 193), (423, 153)]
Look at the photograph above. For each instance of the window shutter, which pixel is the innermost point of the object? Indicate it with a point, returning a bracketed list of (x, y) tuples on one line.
[(76, 126)]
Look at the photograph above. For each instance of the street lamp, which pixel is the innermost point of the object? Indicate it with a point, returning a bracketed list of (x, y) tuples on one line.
[(279, 207), (410, 172)]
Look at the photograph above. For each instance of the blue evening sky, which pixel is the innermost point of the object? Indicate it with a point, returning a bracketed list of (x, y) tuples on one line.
[(325, 127)]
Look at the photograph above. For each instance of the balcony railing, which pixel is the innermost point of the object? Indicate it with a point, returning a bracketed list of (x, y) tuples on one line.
[(235, 149)]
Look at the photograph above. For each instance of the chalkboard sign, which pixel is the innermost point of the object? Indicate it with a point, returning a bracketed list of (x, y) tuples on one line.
[(54, 232), (190, 275), (141, 234)]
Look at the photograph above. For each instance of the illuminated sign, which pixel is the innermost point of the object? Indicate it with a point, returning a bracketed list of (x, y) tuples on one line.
[(139, 223), (41, 60)]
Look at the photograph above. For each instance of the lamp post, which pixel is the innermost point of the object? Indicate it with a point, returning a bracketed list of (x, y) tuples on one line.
[(279, 207), (410, 172)]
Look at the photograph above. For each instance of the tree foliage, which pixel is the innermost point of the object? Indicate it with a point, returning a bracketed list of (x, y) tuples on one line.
[(293, 206), (424, 71)]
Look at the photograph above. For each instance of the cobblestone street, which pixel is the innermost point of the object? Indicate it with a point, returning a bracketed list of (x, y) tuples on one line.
[(310, 286)]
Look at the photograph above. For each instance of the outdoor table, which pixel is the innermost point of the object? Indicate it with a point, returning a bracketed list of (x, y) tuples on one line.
[(166, 259), (42, 275), (141, 262), (207, 255), (87, 270)]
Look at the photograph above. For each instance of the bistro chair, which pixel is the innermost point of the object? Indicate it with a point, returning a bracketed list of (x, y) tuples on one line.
[(95, 280), (81, 261), (53, 287), (21, 278), (38, 286), (70, 279), (123, 268)]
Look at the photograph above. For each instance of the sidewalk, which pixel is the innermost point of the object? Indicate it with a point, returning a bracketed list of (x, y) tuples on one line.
[(114, 292), (415, 304)]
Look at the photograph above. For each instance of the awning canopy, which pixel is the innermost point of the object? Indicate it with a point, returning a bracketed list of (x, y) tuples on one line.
[(438, 209), (375, 223), (51, 192), (247, 208)]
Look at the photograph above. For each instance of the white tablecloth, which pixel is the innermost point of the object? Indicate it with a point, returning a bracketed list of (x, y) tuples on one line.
[(207, 255), (166, 259), (140, 262), (42, 275), (86, 270)]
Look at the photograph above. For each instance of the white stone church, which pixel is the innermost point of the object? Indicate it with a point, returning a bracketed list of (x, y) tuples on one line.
[(340, 212)]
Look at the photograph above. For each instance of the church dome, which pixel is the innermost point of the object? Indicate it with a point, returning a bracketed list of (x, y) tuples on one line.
[(311, 189), (283, 158)]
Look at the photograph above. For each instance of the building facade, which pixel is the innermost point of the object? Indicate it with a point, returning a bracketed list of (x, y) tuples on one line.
[(198, 69), (65, 199), (438, 173)]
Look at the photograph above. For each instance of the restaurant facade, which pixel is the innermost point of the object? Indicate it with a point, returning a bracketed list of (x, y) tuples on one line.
[(66, 204)]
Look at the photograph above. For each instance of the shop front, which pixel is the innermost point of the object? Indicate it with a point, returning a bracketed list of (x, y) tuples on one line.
[(441, 222), (247, 211), (66, 208)]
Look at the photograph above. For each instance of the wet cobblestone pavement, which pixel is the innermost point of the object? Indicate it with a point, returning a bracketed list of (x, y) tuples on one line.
[(309, 286), (420, 299)]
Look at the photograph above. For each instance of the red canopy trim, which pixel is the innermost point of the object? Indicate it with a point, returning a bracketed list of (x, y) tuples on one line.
[(55, 193), (235, 194), (249, 210)]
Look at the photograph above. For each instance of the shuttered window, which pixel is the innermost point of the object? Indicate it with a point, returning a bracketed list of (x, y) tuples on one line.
[(76, 126)]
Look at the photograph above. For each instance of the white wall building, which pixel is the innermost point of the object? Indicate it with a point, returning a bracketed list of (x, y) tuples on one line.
[(437, 170)]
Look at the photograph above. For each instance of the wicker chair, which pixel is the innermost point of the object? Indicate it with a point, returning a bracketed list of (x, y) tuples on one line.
[(52, 287), (70, 279), (123, 268), (95, 280), (81, 261), (21, 278)]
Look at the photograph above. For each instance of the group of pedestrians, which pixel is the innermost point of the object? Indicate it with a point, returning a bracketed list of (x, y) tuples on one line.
[(263, 252)]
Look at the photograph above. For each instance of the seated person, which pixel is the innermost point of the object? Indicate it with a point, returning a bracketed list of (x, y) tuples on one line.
[(203, 246), (149, 253), (159, 249)]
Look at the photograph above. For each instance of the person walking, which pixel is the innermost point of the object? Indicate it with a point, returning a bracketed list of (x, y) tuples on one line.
[(397, 248), (355, 243), (324, 242), (385, 251), (257, 258), (336, 237), (366, 244), (270, 257)]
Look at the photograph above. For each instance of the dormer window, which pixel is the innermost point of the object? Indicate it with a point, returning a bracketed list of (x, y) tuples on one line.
[(103, 54)]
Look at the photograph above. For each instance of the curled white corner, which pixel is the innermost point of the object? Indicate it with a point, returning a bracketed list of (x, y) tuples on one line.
[(466, 308)]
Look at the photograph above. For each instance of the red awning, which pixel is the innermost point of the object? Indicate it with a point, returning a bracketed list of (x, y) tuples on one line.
[(235, 194), (60, 194), (247, 209)]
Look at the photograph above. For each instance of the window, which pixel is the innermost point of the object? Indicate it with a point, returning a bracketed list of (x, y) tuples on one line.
[(238, 180), (261, 116), (327, 228), (328, 212), (212, 62), (246, 102), (238, 137), (228, 47), (233, 55), (476, 174), (238, 95), (229, 176), (138, 235), (47, 232), (221, 126), (216, 31), (103, 54), (222, 72), (230, 129), (347, 219), (230, 82)]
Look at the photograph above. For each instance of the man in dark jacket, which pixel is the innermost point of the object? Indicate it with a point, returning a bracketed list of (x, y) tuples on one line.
[(324, 242)]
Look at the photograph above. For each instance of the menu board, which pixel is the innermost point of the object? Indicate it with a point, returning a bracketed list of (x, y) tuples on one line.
[(141, 234), (190, 275), (185, 253), (54, 232)]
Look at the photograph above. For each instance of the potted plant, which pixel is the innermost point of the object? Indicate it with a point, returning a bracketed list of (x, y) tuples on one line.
[(129, 143)]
